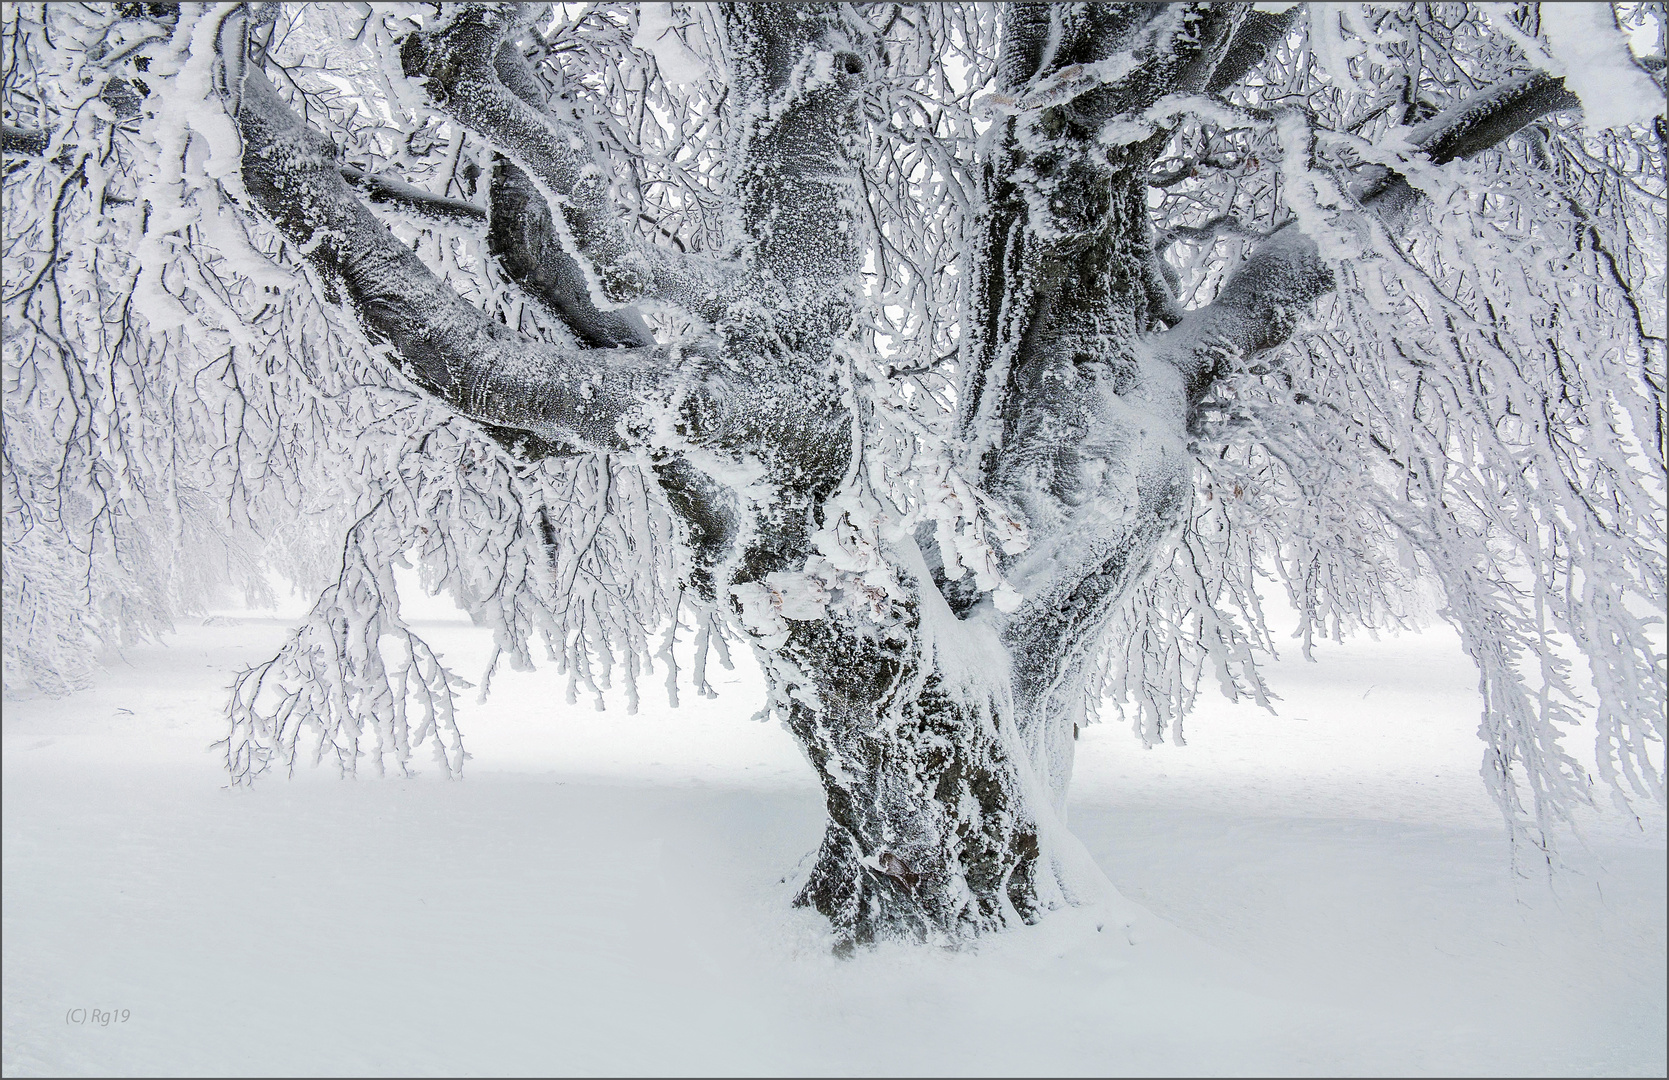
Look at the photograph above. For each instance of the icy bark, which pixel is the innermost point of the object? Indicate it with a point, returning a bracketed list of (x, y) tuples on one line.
[(447, 346), (465, 64), (523, 237), (1071, 422), (1078, 412), (932, 832)]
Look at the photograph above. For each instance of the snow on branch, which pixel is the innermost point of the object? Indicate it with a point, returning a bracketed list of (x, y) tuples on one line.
[(1475, 423), (449, 347), (466, 62), (185, 411), (168, 408), (1428, 358), (1260, 305), (353, 664), (1475, 406)]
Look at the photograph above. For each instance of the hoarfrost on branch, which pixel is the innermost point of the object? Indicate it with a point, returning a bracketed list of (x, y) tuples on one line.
[(973, 365)]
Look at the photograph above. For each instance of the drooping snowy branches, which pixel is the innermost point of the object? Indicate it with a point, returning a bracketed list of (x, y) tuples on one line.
[(975, 364)]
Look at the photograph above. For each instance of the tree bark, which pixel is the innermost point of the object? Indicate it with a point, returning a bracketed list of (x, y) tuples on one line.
[(932, 831), (1069, 421)]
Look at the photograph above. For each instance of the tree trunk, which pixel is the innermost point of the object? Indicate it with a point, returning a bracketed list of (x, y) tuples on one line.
[(1067, 418), (933, 830), (940, 727)]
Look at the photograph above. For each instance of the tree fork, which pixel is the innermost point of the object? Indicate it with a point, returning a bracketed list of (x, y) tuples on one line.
[(465, 63)]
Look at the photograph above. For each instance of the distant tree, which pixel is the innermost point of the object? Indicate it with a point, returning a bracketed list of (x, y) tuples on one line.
[(971, 363)]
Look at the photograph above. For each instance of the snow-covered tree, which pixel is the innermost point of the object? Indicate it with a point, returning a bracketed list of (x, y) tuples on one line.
[(971, 364)]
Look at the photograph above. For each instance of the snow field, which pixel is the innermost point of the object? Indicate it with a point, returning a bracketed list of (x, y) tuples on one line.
[(1324, 892)]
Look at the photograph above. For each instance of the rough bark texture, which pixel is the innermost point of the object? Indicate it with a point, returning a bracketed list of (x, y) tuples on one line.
[(1069, 424), (930, 834)]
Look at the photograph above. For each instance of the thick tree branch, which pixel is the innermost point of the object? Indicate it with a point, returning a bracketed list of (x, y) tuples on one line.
[(1076, 431), (383, 189), (1181, 60), (462, 62), (602, 399), (1088, 63), (448, 347), (523, 238), (1261, 305), (1259, 32), (1487, 119), (1068, 274), (1074, 419), (798, 76), (1025, 41), (528, 247), (16, 140)]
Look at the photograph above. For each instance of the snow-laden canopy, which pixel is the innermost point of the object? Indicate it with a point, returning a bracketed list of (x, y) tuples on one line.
[(1389, 288)]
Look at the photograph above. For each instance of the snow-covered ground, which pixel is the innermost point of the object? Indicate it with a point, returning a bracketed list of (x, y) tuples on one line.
[(1323, 892)]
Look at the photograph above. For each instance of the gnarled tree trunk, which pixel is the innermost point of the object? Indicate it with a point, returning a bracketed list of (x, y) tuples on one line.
[(940, 726)]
